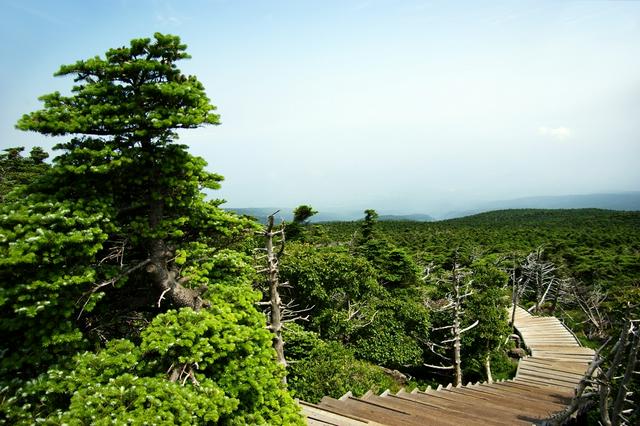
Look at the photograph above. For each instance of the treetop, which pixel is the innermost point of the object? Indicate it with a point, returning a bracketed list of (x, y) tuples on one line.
[(135, 92)]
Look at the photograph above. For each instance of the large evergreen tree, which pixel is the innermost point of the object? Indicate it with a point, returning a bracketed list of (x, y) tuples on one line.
[(125, 294)]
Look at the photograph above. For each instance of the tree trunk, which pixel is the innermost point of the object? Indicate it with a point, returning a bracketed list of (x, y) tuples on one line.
[(514, 297), (538, 292), (275, 320), (605, 382), (167, 279), (632, 359), (487, 368), (555, 299), (457, 361), (456, 352)]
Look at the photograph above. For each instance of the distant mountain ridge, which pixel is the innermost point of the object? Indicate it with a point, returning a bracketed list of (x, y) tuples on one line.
[(629, 201), (286, 213), (406, 217)]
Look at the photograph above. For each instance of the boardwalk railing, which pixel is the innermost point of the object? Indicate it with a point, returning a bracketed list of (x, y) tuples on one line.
[(544, 384)]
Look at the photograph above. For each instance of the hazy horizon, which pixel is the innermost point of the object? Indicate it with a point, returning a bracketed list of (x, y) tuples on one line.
[(628, 200), (417, 107)]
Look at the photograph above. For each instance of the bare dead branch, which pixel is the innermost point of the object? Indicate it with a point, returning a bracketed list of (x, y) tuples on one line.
[(161, 298), (470, 327), (110, 281), (440, 367)]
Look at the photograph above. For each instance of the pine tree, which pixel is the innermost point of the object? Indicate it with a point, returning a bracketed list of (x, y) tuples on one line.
[(126, 294)]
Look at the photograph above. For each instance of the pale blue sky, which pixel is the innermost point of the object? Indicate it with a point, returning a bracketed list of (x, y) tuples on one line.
[(407, 106)]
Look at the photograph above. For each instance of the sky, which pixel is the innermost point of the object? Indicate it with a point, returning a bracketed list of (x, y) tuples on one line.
[(402, 106)]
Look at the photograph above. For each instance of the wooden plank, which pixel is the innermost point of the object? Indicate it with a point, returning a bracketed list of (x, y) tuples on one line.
[(367, 411), (470, 413), (467, 410), (329, 416)]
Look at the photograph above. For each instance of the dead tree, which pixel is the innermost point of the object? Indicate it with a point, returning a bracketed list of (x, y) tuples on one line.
[(455, 302), (538, 276), (608, 382), (562, 293), (590, 300), (278, 313), (517, 289), (274, 305)]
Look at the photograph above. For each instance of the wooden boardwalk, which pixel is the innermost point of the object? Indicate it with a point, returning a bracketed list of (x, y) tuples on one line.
[(544, 385)]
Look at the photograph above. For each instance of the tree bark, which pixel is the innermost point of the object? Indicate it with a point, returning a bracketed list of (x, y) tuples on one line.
[(457, 361), (166, 279), (538, 291), (605, 382), (275, 323), (632, 359), (487, 368), (514, 297), (169, 284)]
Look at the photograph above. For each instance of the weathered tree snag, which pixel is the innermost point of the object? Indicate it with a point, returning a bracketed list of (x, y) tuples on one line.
[(590, 300), (456, 303), (487, 368), (457, 312), (275, 317), (539, 275), (623, 355), (515, 295), (623, 389), (561, 290)]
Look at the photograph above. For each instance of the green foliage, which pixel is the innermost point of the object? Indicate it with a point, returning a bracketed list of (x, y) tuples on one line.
[(46, 249), (387, 343), (592, 246), (350, 306), (16, 170), (328, 277), (394, 265), (133, 93), (303, 213), (488, 304), (227, 349), (502, 367), (369, 224), (327, 368), (296, 230)]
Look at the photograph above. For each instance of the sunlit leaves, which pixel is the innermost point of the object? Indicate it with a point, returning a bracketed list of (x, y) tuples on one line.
[(135, 91)]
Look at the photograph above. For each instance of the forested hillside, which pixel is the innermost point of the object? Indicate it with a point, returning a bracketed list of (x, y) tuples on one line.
[(597, 246), (434, 307)]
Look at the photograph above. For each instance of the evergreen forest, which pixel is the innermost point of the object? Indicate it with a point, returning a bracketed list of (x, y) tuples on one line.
[(128, 296)]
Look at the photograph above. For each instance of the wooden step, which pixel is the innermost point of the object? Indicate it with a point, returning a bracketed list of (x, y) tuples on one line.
[(544, 384)]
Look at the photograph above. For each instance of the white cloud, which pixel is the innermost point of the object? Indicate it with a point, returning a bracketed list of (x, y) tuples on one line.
[(559, 133), (165, 13)]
